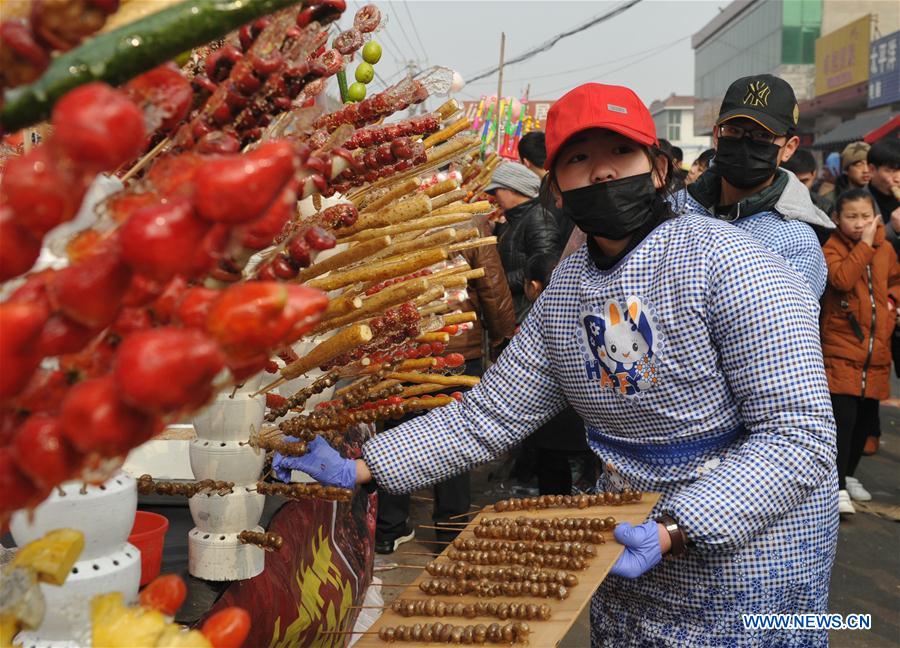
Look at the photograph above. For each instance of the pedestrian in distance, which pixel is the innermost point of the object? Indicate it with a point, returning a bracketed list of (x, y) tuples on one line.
[(755, 134), (859, 313)]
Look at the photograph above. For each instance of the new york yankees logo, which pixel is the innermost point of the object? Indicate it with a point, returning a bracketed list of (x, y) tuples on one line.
[(757, 94)]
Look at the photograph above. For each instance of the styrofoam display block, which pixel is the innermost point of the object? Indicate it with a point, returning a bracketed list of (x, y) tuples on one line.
[(105, 515), (222, 557), (67, 620), (231, 513), (233, 461), (230, 418), (221, 452)]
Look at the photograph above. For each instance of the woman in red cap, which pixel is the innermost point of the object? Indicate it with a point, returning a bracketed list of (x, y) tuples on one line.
[(693, 357)]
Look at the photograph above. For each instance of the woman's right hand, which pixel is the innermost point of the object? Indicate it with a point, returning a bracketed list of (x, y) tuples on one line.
[(323, 463), (868, 233)]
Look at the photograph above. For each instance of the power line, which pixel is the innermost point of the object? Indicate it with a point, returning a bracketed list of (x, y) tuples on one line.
[(416, 31), (658, 50), (543, 47), (412, 48), (400, 60), (588, 67)]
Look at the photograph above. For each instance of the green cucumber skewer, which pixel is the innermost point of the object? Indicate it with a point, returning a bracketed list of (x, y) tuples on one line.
[(124, 53)]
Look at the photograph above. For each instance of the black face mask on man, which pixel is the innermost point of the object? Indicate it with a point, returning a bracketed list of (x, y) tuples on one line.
[(614, 209), (744, 163)]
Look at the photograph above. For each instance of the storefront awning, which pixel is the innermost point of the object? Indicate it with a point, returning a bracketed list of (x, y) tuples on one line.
[(853, 130)]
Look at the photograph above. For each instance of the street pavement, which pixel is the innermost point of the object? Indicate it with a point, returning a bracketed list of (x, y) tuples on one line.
[(866, 574)]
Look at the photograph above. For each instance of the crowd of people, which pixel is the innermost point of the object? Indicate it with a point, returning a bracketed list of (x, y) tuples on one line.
[(695, 338)]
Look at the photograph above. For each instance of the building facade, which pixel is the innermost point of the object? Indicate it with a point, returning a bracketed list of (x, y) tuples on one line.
[(754, 37), (674, 119)]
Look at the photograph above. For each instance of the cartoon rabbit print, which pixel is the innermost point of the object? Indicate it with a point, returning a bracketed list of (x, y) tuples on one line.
[(623, 341)]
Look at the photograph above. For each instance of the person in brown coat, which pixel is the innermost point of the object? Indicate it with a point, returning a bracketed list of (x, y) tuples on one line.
[(859, 312), (490, 298)]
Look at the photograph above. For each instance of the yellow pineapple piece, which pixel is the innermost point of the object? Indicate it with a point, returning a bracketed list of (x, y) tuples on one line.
[(118, 626), (175, 636), (9, 628), (53, 556)]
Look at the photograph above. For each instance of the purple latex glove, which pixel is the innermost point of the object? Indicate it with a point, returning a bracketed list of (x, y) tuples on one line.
[(642, 550), (323, 463)]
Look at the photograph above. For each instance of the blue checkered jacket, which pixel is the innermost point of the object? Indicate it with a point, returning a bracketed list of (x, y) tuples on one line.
[(695, 363), (785, 230)]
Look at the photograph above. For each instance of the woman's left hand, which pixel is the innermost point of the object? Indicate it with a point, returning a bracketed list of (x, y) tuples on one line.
[(642, 548)]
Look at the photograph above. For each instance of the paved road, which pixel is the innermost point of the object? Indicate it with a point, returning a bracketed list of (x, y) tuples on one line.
[(866, 575)]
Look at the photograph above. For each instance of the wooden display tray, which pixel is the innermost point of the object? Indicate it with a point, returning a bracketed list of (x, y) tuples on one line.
[(565, 612)]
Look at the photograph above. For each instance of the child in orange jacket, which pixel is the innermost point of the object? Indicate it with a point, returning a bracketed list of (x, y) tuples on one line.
[(859, 311)]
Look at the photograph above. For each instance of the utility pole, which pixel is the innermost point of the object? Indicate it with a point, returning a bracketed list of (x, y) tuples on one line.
[(499, 91)]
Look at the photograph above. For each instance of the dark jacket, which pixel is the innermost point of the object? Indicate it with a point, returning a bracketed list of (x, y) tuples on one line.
[(530, 229), (489, 297)]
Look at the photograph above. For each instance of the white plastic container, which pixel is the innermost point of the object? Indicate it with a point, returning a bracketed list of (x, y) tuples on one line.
[(104, 514), (226, 461), (230, 419), (67, 621), (222, 557), (227, 514)]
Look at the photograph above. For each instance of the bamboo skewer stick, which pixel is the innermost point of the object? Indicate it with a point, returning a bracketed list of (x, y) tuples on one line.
[(436, 157), (144, 161), (378, 303), (347, 257), (341, 306), (419, 224), (437, 379), (451, 524), (343, 341), (443, 187), (407, 365), (437, 309), (418, 390), (448, 108), (435, 292), (443, 528), (472, 208), (434, 337), (460, 318), (487, 240), (405, 210), (448, 198), (380, 272), (396, 192), (438, 239), (446, 133), (421, 244), (468, 514)]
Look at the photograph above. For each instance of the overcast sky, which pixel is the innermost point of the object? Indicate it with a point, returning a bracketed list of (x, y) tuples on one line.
[(646, 48)]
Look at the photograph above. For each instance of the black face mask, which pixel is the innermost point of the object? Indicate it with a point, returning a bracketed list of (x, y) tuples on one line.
[(612, 210), (744, 163)]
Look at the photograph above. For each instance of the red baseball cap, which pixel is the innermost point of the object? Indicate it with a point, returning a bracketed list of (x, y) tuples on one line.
[(596, 105)]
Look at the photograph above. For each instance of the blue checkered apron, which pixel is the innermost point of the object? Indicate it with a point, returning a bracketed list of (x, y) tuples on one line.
[(696, 365)]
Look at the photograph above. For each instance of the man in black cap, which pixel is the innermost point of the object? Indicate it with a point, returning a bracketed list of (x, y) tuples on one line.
[(755, 133)]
